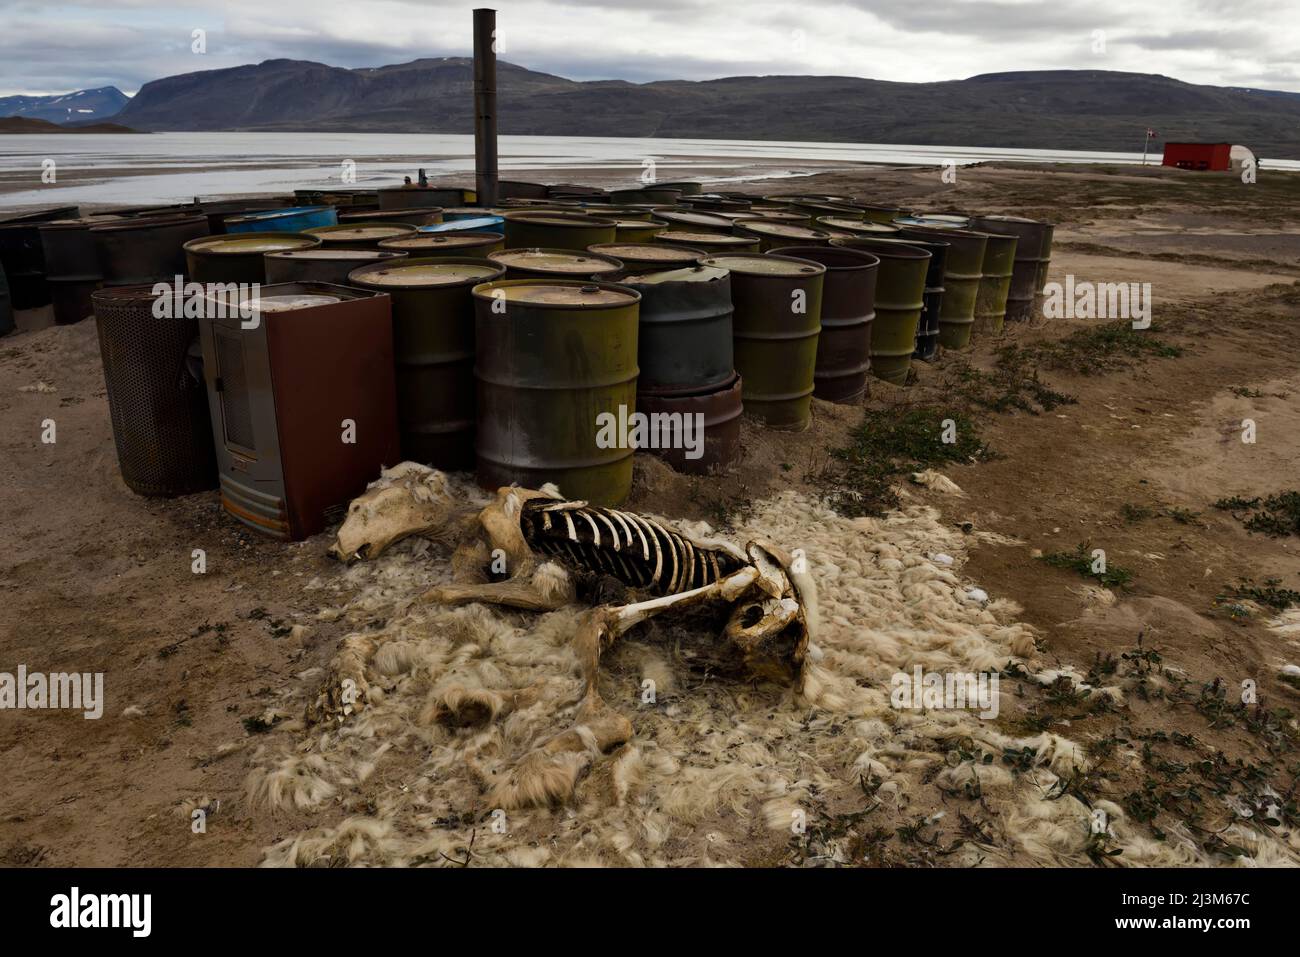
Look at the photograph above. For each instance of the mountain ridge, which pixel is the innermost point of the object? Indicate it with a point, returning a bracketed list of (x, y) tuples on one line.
[(1048, 109), (79, 106)]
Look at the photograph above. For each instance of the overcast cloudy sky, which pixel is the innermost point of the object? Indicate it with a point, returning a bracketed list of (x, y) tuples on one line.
[(54, 48)]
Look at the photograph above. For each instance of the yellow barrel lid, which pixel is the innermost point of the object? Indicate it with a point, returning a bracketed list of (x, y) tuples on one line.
[(765, 265), (701, 239), (235, 244), (320, 252), (352, 232), (554, 260), (441, 240), (422, 273), (544, 292), (784, 230), (644, 252)]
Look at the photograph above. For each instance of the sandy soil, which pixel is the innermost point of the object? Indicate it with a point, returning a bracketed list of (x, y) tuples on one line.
[(98, 579)]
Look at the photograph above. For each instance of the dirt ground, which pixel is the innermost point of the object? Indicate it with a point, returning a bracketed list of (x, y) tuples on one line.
[(97, 579)]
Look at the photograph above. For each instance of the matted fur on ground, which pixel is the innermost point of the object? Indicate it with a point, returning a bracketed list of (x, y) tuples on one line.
[(716, 773)]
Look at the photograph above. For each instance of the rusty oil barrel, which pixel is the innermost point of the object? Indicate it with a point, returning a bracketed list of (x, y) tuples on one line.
[(518, 189), (1033, 237), (22, 254), (238, 257), (647, 256), (694, 220), (772, 215), (417, 216), (697, 449), (71, 267), (408, 197), (999, 267), (555, 264), (873, 213), (775, 327), (714, 203), (141, 251), (900, 299), (610, 211), (218, 210), (557, 375), (427, 245), (684, 342), (659, 195), (157, 399), (321, 265), (637, 230), (962, 271), (817, 208), (776, 233), (856, 227), (363, 235), (684, 187), (433, 347), (576, 231), (573, 189), (1044, 263), (714, 244), (848, 308)]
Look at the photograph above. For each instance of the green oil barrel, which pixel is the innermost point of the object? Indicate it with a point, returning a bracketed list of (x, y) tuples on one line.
[(433, 348), (963, 269), (556, 373), (577, 231), (900, 297), (777, 303)]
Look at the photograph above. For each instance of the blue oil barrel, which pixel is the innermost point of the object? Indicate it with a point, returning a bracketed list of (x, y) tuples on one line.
[(294, 219)]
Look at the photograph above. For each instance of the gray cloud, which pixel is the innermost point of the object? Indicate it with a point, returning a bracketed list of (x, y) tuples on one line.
[(49, 48)]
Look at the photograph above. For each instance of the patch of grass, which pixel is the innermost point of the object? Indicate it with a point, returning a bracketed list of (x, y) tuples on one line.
[(1135, 513), (1276, 515), (1012, 385), (887, 445), (1103, 348), (1269, 594), (1183, 516), (1245, 393), (1081, 560)]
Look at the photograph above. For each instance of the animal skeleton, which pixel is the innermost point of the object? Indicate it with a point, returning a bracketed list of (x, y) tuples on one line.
[(544, 541)]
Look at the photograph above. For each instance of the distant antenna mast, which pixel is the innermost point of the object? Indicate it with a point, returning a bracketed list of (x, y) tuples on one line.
[(485, 106), (1147, 143)]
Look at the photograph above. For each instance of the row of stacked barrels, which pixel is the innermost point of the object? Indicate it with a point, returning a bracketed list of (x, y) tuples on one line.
[(516, 327)]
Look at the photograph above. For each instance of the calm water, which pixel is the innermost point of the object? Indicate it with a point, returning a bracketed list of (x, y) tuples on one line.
[(171, 167)]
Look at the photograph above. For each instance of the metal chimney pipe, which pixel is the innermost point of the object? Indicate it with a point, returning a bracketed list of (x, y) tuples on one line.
[(485, 106)]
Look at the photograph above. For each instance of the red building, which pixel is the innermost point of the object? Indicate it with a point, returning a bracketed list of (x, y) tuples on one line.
[(1209, 156)]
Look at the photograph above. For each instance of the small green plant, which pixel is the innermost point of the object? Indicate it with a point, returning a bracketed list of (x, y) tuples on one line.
[(1135, 513), (1276, 515), (1103, 348), (887, 445), (1082, 560), (1270, 594)]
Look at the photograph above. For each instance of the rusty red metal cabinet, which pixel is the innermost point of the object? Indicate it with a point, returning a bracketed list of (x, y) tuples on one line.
[(303, 403)]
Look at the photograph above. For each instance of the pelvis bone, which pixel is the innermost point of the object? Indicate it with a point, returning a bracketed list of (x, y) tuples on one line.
[(544, 543)]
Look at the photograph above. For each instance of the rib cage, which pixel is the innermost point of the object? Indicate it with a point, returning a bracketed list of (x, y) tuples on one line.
[(636, 550)]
